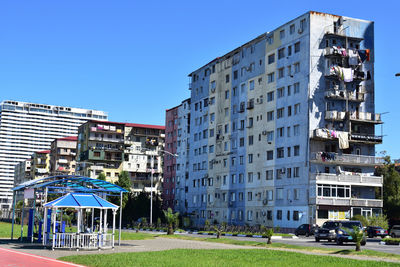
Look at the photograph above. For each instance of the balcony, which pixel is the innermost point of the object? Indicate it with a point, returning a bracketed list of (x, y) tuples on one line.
[(348, 179), (106, 139), (344, 95), (345, 159), (335, 52), (326, 134), (366, 117), (106, 129), (334, 115), (353, 202), (366, 138)]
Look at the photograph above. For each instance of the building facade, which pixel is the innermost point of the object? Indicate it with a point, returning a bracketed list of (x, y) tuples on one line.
[(63, 156), (282, 129), (40, 164), (113, 147), (22, 172), (29, 127)]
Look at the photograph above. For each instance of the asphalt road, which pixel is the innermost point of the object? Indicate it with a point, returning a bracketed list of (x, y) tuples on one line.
[(372, 243)]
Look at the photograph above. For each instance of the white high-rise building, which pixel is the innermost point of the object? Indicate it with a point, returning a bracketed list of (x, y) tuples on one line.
[(29, 127)]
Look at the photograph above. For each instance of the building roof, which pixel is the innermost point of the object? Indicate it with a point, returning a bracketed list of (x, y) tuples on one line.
[(68, 138), (160, 127), (80, 200)]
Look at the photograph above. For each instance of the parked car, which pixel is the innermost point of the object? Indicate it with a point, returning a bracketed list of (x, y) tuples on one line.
[(305, 229), (395, 231), (373, 231), (327, 231), (343, 232)]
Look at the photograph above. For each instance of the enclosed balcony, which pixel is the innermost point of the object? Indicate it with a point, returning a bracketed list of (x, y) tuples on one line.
[(345, 95), (366, 138), (334, 115), (359, 179), (352, 202), (345, 159)]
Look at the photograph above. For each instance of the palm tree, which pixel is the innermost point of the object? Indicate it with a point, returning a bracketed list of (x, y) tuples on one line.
[(269, 233), (357, 235), (171, 219), (219, 229)]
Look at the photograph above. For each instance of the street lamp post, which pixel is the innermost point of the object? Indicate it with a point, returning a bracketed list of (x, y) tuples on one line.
[(151, 180)]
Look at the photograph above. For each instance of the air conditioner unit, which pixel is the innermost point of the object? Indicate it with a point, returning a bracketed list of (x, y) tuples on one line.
[(264, 132)]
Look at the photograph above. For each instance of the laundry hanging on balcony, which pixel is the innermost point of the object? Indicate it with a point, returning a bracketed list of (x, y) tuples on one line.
[(353, 57), (347, 74), (343, 140)]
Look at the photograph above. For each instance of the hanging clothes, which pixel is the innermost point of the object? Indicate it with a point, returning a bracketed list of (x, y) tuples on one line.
[(343, 140), (353, 57), (367, 52), (347, 74)]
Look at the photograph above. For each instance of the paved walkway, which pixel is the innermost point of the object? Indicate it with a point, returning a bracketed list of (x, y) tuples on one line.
[(156, 244)]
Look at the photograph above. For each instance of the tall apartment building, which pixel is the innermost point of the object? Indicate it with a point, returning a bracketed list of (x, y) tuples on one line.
[(29, 127), (282, 129), (22, 172), (63, 156), (176, 169), (113, 147)]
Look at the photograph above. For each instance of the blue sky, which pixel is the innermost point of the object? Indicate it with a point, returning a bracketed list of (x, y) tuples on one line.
[(132, 58)]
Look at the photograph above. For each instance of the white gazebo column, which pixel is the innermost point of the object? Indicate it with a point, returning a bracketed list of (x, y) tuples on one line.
[(78, 229), (92, 220), (114, 211), (105, 221), (54, 213), (101, 221)]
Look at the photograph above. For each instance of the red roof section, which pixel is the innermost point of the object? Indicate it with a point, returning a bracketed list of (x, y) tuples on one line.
[(68, 138), (43, 152)]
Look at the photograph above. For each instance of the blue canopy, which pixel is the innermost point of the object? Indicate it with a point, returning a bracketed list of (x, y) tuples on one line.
[(71, 183), (80, 200)]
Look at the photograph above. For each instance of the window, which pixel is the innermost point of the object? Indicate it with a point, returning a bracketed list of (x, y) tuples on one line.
[(271, 58), (281, 132), (233, 159), (212, 117), (281, 53), (297, 47), (233, 178), (295, 215), (211, 132), (296, 130), (211, 149), (241, 180), (249, 196), (281, 92), (296, 67), (250, 156), (271, 77), (250, 177), (296, 108), (288, 215), (270, 155), (226, 94), (302, 25), (235, 74), (279, 174), (288, 131), (282, 34), (270, 116), (280, 113), (296, 88), (289, 90), (270, 136), (279, 215), (96, 154), (233, 196), (289, 50), (296, 194), (289, 172), (241, 142), (249, 215), (250, 122), (269, 175), (240, 196), (281, 73), (289, 111), (296, 172), (296, 150), (269, 215), (279, 193), (213, 85), (227, 78), (280, 152), (251, 140), (292, 29), (270, 96)]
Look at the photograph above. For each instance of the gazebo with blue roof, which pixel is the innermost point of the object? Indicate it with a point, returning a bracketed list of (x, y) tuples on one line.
[(79, 193)]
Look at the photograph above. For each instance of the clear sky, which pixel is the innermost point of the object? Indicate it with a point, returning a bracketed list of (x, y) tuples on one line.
[(131, 58)]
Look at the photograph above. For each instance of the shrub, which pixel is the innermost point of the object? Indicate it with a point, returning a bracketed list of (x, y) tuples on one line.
[(357, 234), (392, 241)]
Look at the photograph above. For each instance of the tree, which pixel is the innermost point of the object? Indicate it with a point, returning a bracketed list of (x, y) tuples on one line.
[(101, 176), (378, 220), (391, 189), (171, 218), (269, 232), (125, 182), (219, 229), (357, 235)]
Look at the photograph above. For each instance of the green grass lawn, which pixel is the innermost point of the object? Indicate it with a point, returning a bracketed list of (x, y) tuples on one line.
[(5, 232), (240, 257)]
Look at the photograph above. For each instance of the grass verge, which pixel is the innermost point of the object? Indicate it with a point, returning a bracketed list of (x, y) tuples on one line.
[(240, 257)]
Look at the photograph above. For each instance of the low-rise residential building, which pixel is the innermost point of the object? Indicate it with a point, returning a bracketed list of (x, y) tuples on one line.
[(63, 156), (22, 172), (40, 164), (113, 147)]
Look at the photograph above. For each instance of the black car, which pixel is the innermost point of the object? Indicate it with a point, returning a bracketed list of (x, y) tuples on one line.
[(327, 231), (373, 231), (343, 232), (305, 229)]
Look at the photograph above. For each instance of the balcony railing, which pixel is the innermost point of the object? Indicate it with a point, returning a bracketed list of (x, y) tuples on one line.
[(344, 95), (360, 137), (378, 203), (366, 116), (335, 51), (356, 179), (335, 115), (350, 159)]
